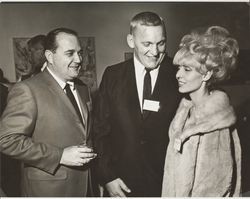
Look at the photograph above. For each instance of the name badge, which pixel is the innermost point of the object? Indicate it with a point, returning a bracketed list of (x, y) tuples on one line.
[(150, 105)]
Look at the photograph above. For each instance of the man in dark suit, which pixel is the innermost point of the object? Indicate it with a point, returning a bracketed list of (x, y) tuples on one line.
[(9, 167), (3, 96), (3, 99), (136, 103), (46, 123)]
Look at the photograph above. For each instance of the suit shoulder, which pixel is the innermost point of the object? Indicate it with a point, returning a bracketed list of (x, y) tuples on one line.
[(168, 63), (118, 68)]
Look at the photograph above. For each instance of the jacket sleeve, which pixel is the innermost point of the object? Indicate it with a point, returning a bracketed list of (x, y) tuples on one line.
[(102, 131), (16, 129)]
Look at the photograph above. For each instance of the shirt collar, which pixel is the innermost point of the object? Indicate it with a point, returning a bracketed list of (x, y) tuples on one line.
[(60, 81), (71, 84), (140, 68)]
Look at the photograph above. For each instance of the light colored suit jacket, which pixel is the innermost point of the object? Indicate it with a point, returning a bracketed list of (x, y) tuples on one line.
[(37, 124)]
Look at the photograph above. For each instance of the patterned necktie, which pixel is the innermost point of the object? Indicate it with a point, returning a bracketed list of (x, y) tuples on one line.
[(73, 100), (147, 87)]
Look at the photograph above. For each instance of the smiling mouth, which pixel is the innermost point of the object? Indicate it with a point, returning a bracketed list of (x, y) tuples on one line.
[(180, 83), (75, 67)]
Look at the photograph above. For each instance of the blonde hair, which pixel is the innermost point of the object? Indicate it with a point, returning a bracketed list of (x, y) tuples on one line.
[(213, 48), (146, 19)]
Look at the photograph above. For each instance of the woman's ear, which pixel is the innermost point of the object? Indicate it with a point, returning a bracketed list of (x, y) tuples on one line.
[(207, 76), (130, 41)]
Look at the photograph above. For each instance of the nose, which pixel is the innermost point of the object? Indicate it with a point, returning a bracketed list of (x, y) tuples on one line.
[(154, 50), (77, 58), (178, 74)]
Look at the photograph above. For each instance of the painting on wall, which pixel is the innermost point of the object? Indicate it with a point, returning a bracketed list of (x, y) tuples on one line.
[(24, 64), (22, 60), (88, 70)]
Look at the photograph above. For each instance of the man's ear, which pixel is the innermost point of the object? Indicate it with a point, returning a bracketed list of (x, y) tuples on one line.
[(207, 76), (49, 56), (130, 41)]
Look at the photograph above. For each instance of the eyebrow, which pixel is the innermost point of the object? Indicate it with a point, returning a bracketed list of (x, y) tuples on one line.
[(72, 51), (163, 40)]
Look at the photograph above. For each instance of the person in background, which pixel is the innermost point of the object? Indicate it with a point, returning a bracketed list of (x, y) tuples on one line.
[(36, 48), (137, 99), (46, 123), (9, 167), (204, 154), (3, 99)]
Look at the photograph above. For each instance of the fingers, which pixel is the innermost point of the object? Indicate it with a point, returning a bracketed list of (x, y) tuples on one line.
[(84, 149), (117, 193), (77, 155), (82, 161), (116, 188), (124, 186)]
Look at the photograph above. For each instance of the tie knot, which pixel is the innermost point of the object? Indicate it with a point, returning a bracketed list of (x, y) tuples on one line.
[(67, 86), (148, 70)]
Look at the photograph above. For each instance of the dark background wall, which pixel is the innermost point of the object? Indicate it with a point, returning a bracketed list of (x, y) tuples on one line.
[(109, 24)]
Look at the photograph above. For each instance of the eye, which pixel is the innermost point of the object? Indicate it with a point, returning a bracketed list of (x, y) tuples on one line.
[(80, 54), (186, 68), (162, 43), (146, 44), (69, 54)]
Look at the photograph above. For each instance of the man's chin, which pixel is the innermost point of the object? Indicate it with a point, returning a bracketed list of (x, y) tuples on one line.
[(152, 66)]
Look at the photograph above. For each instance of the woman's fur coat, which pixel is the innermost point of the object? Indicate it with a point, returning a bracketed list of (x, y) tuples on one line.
[(204, 154)]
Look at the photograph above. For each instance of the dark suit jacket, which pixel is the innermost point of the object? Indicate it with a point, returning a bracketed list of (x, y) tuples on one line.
[(3, 99), (38, 123), (128, 146)]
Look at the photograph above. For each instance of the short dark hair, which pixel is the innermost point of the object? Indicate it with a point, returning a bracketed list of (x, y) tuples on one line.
[(51, 43), (38, 39), (146, 19)]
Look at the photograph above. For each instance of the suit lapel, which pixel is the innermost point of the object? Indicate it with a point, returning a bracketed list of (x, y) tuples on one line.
[(84, 99), (132, 95), (56, 90)]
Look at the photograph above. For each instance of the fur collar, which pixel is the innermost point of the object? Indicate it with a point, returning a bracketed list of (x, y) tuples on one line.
[(213, 114)]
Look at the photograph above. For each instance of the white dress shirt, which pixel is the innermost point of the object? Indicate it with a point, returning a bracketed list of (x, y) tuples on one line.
[(72, 88), (139, 76)]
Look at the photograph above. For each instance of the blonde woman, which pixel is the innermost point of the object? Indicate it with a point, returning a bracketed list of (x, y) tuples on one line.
[(204, 154)]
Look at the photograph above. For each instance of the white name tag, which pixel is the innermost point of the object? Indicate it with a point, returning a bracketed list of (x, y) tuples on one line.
[(150, 105)]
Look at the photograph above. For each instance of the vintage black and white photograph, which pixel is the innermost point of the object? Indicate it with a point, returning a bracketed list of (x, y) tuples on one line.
[(125, 99)]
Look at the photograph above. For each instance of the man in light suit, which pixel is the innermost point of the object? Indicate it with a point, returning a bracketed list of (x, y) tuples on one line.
[(46, 123), (131, 124)]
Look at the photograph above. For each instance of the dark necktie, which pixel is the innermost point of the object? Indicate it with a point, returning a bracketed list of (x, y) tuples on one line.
[(73, 101), (147, 87)]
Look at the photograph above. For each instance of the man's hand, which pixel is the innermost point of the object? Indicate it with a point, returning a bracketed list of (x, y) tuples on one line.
[(77, 155), (116, 188)]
